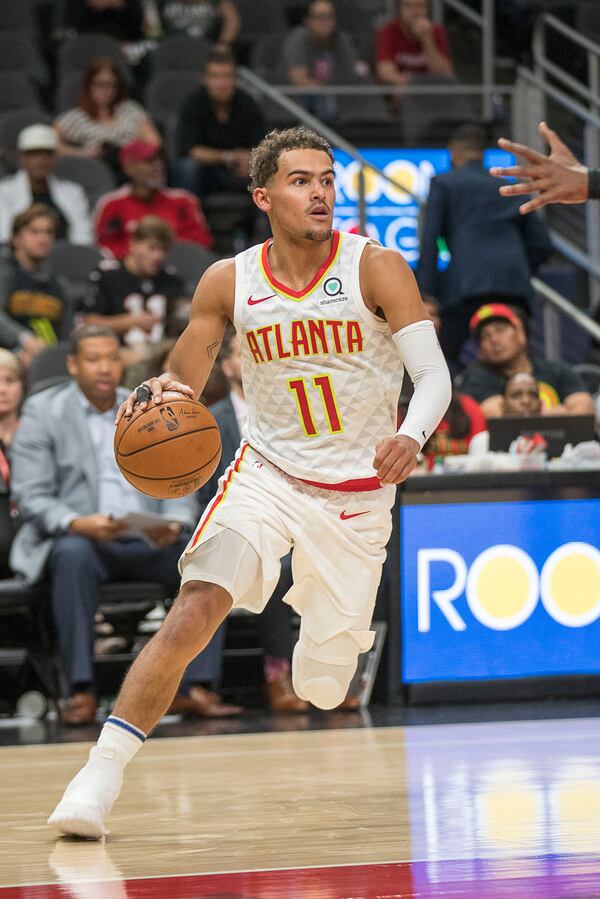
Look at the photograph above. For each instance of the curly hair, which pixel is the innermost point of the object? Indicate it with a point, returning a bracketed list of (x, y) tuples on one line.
[(265, 157)]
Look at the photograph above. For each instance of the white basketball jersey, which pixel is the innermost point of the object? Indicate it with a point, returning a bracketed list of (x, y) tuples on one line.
[(321, 373)]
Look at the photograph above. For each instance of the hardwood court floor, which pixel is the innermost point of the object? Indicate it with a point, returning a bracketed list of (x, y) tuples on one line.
[(507, 810)]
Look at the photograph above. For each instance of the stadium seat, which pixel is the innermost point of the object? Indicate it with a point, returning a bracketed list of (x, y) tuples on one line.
[(16, 92), (191, 261), (17, 16), (48, 368), (94, 175), (590, 374), (75, 53), (265, 58), (18, 53), (258, 19), (165, 94), (68, 89), (180, 52), (429, 119)]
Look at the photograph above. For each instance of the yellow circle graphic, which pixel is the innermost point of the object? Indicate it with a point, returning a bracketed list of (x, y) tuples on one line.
[(570, 584), (404, 173), (502, 587)]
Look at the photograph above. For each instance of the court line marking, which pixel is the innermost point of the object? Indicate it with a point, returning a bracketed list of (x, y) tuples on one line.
[(415, 861)]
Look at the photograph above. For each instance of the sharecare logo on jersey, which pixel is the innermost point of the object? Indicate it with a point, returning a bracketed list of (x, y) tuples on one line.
[(313, 337)]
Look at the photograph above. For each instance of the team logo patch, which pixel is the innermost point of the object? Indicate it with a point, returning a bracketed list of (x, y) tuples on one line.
[(333, 287)]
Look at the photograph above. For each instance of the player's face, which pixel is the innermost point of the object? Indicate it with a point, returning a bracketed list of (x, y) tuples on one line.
[(149, 256), (97, 369), (300, 197), (11, 390), (500, 342), (522, 396), (36, 239)]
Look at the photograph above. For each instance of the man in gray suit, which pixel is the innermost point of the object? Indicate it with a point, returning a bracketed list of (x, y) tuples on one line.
[(494, 250), (72, 499)]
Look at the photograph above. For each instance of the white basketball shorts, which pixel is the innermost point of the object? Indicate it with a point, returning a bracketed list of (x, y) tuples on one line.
[(338, 541)]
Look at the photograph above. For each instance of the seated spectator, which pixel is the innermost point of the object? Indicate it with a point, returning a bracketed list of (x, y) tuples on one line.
[(500, 333), (217, 127), (137, 296), (318, 53), (274, 622), (72, 499), (521, 395), (412, 45), (35, 306), (105, 118), (121, 19), (12, 391), (463, 420), (214, 20), (118, 212), (35, 183)]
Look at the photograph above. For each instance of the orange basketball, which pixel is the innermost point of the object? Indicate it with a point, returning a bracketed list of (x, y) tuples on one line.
[(168, 450)]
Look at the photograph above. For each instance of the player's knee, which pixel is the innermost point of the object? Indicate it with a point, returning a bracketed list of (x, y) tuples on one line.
[(197, 612), (322, 674)]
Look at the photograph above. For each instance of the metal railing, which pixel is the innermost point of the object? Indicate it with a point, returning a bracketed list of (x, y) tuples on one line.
[(583, 101), (485, 20), (254, 82), (556, 303)]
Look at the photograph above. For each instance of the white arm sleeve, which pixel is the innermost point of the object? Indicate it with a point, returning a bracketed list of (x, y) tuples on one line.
[(424, 361)]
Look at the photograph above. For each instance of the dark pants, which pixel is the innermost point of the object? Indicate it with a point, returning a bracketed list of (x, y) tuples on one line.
[(78, 567)]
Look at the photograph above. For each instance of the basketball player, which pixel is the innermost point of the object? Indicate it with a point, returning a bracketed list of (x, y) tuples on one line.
[(328, 322)]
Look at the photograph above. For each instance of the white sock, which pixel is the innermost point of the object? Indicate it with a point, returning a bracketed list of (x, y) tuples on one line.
[(118, 741)]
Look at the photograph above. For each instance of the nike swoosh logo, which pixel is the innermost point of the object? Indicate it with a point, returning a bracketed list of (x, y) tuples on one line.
[(344, 515), (252, 302)]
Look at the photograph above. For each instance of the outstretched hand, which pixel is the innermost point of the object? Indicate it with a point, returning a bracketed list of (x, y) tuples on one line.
[(395, 458), (557, 178), (157, 386)]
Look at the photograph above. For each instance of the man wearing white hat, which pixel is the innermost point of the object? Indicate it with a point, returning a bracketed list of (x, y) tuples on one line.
[(35, 183)]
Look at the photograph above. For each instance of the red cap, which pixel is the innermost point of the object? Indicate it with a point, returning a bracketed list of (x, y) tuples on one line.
[(492, 312), (138, 151)]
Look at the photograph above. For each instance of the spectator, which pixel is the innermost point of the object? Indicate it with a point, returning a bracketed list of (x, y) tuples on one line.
[(521, 395), (73, 499), (35, 183), (121, 19), (217, 127), (412, 45), (274, 623), (215, 20), (12, 391), (136, 297), (118, 212), (500, 333), (318, 52), (35, 307), (464, 419), (494, 251), (105, 118)]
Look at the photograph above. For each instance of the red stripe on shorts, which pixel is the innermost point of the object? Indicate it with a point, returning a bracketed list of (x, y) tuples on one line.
[(233, 469)]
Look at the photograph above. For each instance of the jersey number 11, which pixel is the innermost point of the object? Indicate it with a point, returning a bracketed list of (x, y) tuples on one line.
[(323, 384)]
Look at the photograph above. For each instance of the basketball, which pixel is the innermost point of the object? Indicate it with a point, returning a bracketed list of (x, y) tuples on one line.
[(168, 450)]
